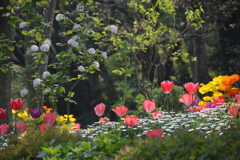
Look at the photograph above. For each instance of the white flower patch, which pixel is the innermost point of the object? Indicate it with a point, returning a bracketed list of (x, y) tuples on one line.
[(22, 24), (59, 17), (80, 7), (73, 43), (81, 68), (45, 74), (104, 55), (114, 29), (34, 48), (36, 82), (23, 92), (44, 48), (76, 26), (48, 42), (91, 51)]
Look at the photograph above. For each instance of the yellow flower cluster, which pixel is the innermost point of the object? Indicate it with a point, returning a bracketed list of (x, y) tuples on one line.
[(212, 86), (218, 85)]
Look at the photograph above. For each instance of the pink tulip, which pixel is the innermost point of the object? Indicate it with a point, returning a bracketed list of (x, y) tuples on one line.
[(167, 86), (3, 129), (218, 101), (21, 127), (155, 114), (44, 127), (3, 113), (131, 120), (99, 109), (104, 119), (50, 118), (149, 106), (154, 133), (237, 98), (187, 99), (233, 110), (16, 104), (120, 111), (191, 88)]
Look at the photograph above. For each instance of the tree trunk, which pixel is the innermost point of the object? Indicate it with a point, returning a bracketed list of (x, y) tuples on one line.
[(48, 15), (5, 78)]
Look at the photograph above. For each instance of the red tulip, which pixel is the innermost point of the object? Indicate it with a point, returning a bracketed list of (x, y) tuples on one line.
[(3, 129), (237, 98), (218, 101), (155, 114), (167, 86), (197, 108), (120, 111), (148, 105), (187, 99), (50, 118), (103, 119), (154, 133), (22, 127), (3, 113), (76, 127), (191, 88), (131, 120), (16, 104), (233, 110), (44, 127), (99, 109)]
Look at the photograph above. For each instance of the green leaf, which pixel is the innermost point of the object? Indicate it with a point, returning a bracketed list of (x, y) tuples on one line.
[(11, 48), (38, 37), (25, 33)]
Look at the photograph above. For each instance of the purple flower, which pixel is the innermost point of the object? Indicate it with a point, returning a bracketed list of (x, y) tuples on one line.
[(210, 105), (36, 113), (194, 103)]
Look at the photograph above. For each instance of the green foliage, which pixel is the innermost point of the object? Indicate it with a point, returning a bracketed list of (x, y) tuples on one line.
[(102, 147), (184, 145), (33, 141), (160, 98)]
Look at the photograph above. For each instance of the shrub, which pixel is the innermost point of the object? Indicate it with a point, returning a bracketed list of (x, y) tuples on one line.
[(184, 145), (33, 141)]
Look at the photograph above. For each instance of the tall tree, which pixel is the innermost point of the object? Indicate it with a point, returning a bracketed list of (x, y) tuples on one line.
[(5, 78)]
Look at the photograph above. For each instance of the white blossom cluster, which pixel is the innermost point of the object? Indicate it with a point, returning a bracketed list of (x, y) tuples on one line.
[(80, 7), (114, 29), (36, 82), (23, 92), (59, 17), (91, 51), (96, 64), (81, 68), (76, 26), (73, 43), (22, 24), (45, 74), (34, 48), (45, 46), (104, 55)]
